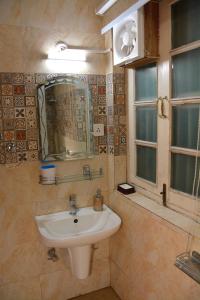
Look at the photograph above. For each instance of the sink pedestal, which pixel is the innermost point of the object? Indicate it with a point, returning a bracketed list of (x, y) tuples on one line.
[(80, 258)]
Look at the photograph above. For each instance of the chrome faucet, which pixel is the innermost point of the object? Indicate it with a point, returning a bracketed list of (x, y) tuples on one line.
[(72, 205)]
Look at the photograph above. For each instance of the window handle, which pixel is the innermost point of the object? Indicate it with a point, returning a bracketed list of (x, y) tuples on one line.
[(161, 103)]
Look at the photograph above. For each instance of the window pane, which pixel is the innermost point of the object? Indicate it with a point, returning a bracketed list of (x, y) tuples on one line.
[(186, 74), (185, 125), (146, 124), (185, 22), (146, 163), (146, 83), (182, 172)]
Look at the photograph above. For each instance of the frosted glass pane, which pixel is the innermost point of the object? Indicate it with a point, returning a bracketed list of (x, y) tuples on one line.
[(146, 83), (185, 22), (186, 74), (182, 172), (185, 125), (146, 163), (146, 124)]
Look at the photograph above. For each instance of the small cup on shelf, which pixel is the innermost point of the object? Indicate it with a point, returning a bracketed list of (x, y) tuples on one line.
[(48, 174)]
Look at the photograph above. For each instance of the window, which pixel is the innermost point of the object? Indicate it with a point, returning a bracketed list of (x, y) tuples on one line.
[(164, 150), (146, 121)]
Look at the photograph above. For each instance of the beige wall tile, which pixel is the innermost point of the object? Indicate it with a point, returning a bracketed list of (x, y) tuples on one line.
[(62, 285), (23, 290), (144, 251)]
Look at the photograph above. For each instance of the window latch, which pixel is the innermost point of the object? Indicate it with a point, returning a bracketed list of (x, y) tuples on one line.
[(164, 194), (161, 102)]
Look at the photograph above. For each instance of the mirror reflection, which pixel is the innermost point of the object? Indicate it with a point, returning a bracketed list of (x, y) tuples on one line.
[(65, 111)]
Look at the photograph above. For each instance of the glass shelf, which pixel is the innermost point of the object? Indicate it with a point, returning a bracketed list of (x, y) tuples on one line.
[(91, 175)]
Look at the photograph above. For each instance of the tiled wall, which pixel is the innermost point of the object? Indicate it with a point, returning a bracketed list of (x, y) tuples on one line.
[(19, 121), (143, 254), (116, 113)]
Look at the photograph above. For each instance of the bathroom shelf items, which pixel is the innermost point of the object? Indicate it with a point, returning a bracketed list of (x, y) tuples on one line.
[(88, 174)]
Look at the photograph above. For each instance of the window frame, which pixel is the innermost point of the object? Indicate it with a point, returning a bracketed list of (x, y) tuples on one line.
[(176, 200)]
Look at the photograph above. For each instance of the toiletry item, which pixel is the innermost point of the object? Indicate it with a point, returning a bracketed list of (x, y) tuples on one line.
[(126, 188), (98, 201), (48, 174)]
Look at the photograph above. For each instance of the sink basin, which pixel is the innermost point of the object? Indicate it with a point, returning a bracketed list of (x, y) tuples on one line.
[(63, 230), (78, 233)]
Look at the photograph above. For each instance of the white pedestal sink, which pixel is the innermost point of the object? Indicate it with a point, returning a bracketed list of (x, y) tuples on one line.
[(78, 233)]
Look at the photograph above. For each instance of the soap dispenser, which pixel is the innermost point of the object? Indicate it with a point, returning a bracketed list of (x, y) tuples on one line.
[(98, 201)]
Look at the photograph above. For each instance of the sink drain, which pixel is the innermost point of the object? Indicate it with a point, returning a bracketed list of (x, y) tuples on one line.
[(75, 220)]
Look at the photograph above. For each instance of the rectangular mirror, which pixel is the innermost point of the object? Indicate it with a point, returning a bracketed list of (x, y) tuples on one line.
[(65, 112)]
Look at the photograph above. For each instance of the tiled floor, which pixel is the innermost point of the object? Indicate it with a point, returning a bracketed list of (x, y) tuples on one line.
[(104, 294)]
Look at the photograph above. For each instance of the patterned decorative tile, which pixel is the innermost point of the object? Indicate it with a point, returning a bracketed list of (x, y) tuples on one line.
[(110, 89), (102, 100), (11, 157), (19, 89), (22, 156), (7, 89), (29, 78), (51, 76), (31, 113), (2, 158), (122, 120), (6, 78), (21, 145), (19, 101), (101, 79), (30, 101), (10, 146), (32, 155), (31, 124), (119, 99), (118, 77), (116, 150), (110, 110), (40, 78), (103, 149), (30, 90), (7, 101), (102, 110), (20, 135), (109, 78), (9, 135), (102, 140), (2, 147), (20, 112), (32, 134), (122, 130), (110, 120), (111, 150), (18, 78), (109, 100), (20, 123), (119, 88), (110, 139), (8, 124), (83, 78), (101, 90), (121, 110), (93, 90), (122, 139), (32, 145), (92, 79), (8, 113)]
